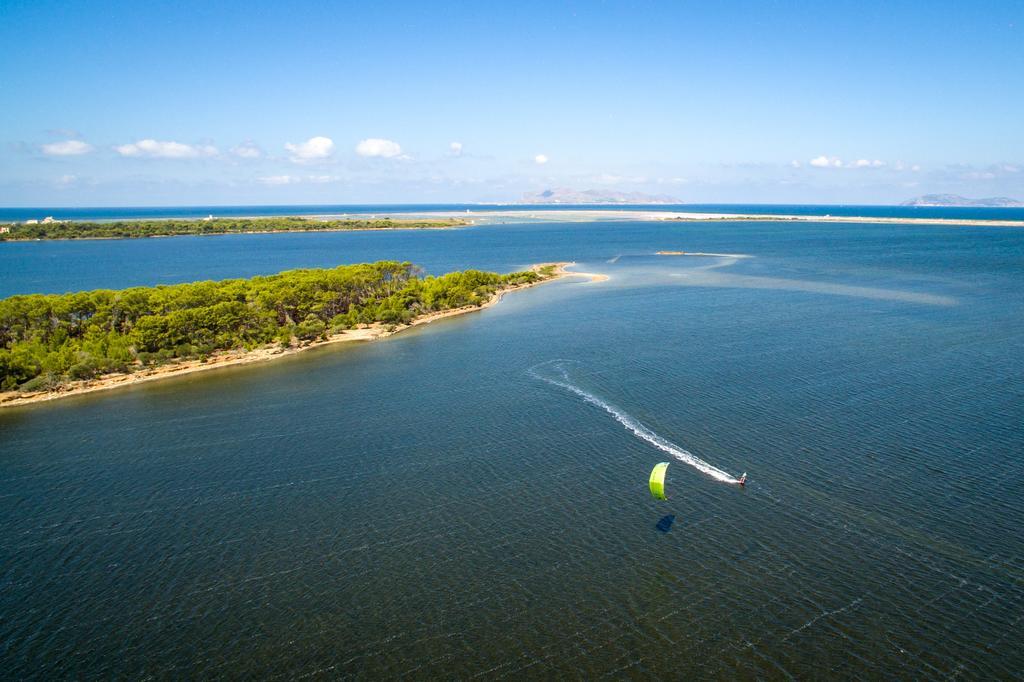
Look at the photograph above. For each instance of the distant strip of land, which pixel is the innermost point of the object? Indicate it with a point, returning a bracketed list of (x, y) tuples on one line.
[(57, 346), (427, 220), (590, 215), (131, 229), (701, 253)]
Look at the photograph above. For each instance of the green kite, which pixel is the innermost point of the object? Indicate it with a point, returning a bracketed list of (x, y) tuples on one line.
[(658, 481)]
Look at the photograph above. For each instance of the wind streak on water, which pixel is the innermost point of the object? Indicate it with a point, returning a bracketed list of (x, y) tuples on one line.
[(633, 425)]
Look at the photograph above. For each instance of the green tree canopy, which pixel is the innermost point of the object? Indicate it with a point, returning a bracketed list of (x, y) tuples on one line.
[(49, 339)]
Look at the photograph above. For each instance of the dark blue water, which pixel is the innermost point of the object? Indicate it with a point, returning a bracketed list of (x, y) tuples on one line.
[(431, 506), (142, 212)]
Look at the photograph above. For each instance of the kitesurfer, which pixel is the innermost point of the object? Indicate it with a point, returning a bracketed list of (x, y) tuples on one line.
[(743, 480)]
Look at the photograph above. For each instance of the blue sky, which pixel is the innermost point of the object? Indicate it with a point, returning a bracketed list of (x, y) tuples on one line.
[(247, 102)]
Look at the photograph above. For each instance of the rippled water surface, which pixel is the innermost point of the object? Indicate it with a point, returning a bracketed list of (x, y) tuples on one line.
[(450, 503)]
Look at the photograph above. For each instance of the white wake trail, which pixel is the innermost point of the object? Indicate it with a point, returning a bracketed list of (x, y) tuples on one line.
[(639, 430)]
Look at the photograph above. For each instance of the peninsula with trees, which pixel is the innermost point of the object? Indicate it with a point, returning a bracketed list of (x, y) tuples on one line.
[(128, 229), (64, 344)]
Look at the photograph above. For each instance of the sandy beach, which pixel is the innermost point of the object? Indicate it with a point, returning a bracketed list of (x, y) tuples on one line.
[(372, 332)]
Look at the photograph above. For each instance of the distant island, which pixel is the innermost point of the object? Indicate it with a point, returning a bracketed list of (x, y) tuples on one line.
[(49, 228), (957, 200), (53, 345), (562, 195)]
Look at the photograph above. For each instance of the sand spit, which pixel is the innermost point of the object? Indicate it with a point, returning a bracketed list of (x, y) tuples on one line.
[(594, 276), (591, 215), (701, 253), (372, 332)]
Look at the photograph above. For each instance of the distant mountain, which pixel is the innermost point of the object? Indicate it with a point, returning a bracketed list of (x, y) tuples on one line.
[(957, 200), (562, 195)]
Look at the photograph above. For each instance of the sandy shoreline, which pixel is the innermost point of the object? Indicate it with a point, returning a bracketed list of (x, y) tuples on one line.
[(232, 358), (587, 215)]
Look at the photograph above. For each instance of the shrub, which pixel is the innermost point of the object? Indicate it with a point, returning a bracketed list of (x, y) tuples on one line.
[(311, 328), (83, 370), (43, 382)]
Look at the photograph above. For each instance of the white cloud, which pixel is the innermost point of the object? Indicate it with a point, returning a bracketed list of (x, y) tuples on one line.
[(915, 168), (66, 180), (979, 175), (455, 148), (826, 162), (247, 150), (835, 162), (313, 149), (540, 159), (157, 149), (279, 180), (375, 146), (611, 179), (794, 163), (1003, 171), (67, 148)]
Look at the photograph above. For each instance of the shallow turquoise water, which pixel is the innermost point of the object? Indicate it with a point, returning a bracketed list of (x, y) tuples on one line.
[(427, 506)]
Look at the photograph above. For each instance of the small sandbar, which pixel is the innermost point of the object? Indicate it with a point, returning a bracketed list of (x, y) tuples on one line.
[(594, 276), (702, 253)]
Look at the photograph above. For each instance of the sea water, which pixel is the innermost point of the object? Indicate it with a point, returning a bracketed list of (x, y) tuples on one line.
[(431, 506)]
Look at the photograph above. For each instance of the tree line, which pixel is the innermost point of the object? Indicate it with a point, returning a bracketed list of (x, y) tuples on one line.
[(128, 229), (49, 339)]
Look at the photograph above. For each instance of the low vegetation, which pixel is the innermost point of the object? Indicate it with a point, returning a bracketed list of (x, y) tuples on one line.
[(127, 229), (48, 340)]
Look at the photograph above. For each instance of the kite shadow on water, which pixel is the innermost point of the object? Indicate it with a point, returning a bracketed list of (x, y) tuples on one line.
[(665, 523)]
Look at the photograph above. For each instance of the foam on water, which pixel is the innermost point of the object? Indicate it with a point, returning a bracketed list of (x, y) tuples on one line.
[(632, 424)]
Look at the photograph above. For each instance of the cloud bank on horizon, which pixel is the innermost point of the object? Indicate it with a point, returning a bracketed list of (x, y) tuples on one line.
[(704, 103)]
